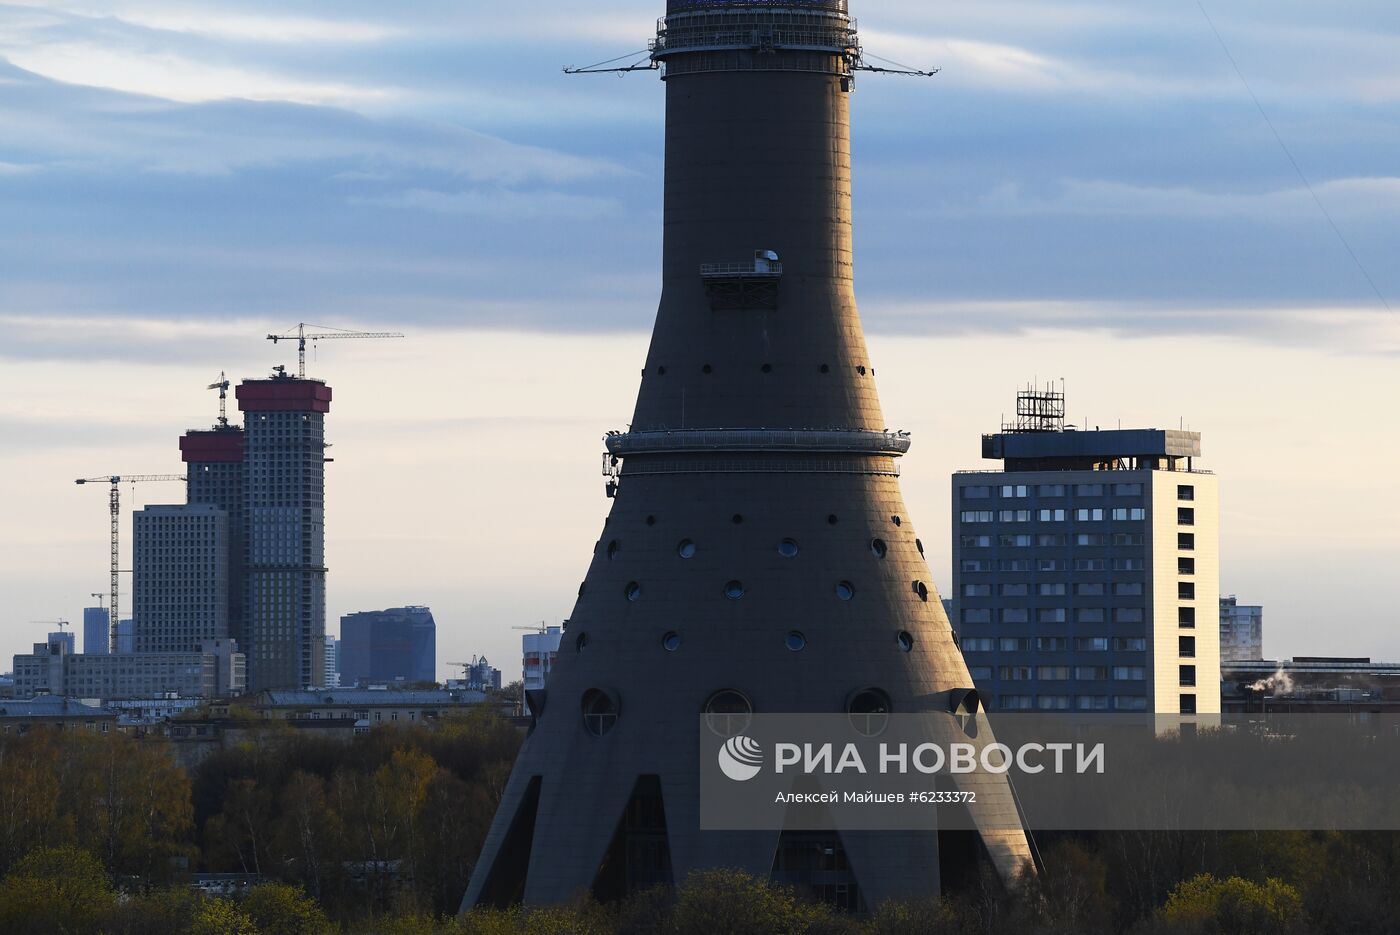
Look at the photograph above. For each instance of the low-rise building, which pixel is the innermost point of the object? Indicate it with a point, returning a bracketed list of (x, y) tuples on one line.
[(18, 716), (366, 707), (218, 669)]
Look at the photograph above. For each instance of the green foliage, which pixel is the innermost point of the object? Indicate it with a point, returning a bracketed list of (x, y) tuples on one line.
[(279, 909), (221, 917), (735, 902), (1235, 907), (920, 917), (55, 891)]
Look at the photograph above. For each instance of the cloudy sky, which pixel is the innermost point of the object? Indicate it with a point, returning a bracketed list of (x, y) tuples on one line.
[(1087, 190)]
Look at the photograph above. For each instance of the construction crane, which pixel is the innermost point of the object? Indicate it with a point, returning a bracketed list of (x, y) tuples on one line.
[(60, 623), (100, 597), (222, 387), (114, 504), (326, 334)]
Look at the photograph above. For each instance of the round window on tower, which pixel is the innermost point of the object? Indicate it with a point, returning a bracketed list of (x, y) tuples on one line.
[(906, 641), (795, 641), (788, 548), (878, 548), (600, 711), (686, 549), (728, 713), (869, 711), (633, 591), (921, 589), (613, 548), (734, 590), (671, 641), (845, 590)]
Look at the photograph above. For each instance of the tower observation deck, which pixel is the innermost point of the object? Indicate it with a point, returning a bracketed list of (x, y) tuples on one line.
[(757, 557)]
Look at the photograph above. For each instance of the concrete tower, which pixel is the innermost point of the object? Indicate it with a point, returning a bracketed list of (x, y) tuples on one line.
[(758, 555), (284, 498)]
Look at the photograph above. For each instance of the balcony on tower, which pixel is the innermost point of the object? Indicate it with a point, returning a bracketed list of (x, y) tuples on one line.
[(751, 284)]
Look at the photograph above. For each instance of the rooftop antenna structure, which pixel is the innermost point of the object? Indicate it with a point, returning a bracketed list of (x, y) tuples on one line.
[(301, 336), (1038, 410), (222, 387), (114, 507), (100, 598)]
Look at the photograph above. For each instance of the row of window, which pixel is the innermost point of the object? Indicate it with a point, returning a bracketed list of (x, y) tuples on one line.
[(728, 713), (1080, 702), (1054, 615), (1096, 515), (1062, 673), (1020, 491), (1056, 644)]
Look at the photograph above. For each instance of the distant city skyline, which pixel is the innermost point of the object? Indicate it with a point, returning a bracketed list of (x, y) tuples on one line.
[(1086, 192)]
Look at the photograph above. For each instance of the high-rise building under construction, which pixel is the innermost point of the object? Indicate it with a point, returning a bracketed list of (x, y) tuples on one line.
[(269, 478), (758, 557)]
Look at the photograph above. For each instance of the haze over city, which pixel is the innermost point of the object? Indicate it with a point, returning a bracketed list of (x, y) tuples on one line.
[(1086, 191)]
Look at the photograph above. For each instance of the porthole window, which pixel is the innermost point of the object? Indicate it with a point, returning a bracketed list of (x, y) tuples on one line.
[(845, 590), (767, 368), (738, 519), (707, 369), (869, 711), (878, 548), (686, 549), (919, 544), (581, 642), (613, 548), (831, 520), (906, 641), (661, 371), (671, 641), (599, 712), (861, 370), (728, 713), (651, 520), (633, 591), (896, 520), (921, 589), (795, 641), (788, 548), (734, 590)]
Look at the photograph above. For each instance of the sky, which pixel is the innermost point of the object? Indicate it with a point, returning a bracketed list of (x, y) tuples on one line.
[(1087, 190)]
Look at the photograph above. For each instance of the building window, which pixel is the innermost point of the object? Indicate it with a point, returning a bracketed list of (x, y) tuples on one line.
[(1188, 704), (795, 641), (1186, 516), (1188, 676), (1091, 702), (979, 644), (1088, 490), (1089, 589), (734, 590), (1186, 616), (1052, 516), (1092, 644), (1014, 644), (981, 673), (978, 516), (977, 590), (1053, 702), (1015, 615), (1089, 615), (1051, 490), (1013, 491), (1051, 615), (1186, 590), (1015, 673), (1052, 590), (1129, 673), (1127, 588), (1022, 541), (1129, 703), (869, 711), (1185, 566), (1186, 541), (1015, 590), (976, 493), (1127, 490), (1128, 615), (1091, 673), (1015, 702), (1089, 516), (976, 615), (1129, 644), (1014, 516), (1185, 492), (1052, 644), (1186, 646), (728, 713), (976, 542), (788, 548)]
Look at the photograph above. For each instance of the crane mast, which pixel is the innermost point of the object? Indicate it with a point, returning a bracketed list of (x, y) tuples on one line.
[(114, 508)]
